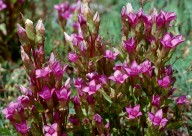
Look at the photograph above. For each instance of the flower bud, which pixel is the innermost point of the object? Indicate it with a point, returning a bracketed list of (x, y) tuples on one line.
[(96, 20), (29, 29), (40, 28)]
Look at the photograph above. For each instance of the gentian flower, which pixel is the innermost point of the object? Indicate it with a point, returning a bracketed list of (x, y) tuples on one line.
[(57, 69), (164, 18), (42, 72), (132, 18), (118, 77), (74, 120), (165, 82), (134, 69), (133, 112), (79, 83), (182, 100), (46, 93), (169, 41), (63, 95), (129, 45), (51, 130), (110, 55), (24, 100), (156, 100), (146, 67), (92, 76), (92, 87), (168, 70), (22, 127), (81, 20), (157, 118), (97, 118), (73, 57)]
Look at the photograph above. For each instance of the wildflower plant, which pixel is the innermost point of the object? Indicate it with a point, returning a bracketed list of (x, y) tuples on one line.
[(121, 90)]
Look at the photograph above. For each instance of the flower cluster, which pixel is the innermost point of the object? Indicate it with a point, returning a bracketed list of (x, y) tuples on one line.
[(112, 91)]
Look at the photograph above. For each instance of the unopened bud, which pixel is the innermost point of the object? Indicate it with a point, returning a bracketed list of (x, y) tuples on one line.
[(81, 20), (67, 37), (96, 19), (40, 28), (85, 10), (29, 29)]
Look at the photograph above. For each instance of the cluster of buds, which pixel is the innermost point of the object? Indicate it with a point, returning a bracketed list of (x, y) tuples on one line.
[(113, 91)]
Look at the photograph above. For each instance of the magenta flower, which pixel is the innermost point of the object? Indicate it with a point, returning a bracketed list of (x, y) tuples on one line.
[(51, 130), (22, 127), (74, 120), (118, 77), (164, 82), (81, 20), (79, 83), (97, 118), (134, 69), (169, 41), (63, 94), (90, 99), (132, 18), (103, 79), (157, 118), (168, 70), (92, 76), (12, 111), (156, 100), (57, 69), (24, 100), (133, 112), (110, 55), (46, 93), (146, 67), (92, 87), (182, 100), (42, 72), (2, 5), (164, 18), (129, 45), (73, 57)]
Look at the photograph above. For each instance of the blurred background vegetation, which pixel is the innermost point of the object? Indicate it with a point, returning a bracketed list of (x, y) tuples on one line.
[(12, 73)]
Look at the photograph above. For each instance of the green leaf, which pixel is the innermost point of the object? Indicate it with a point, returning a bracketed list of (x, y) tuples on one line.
[(39, 107), (105, 96), (175, 125)]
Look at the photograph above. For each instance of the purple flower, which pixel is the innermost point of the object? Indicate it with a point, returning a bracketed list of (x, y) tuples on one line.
[(74, 120), (129, 45), (76, 100), (134, 69), (164, 82), (11, 111), (103, 79), (2, 5), (90, 99), (132, 18), (110, 55), (63, 94), (50, 130), (22, 127), (92, 76), (73, 57), (168, 70), (46, 93), (169, 41), (26, 91), (97, 118), (156, 100), (133, 112), (79, 83), (157, 118), (42, 72), (118, 77), (57, 69), (92, 87), (181, 100), (164, 18), (146, 67), (171, 91), (81, 20), (24, 100)]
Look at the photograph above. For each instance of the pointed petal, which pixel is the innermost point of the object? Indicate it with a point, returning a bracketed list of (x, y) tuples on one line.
[(159, 113)]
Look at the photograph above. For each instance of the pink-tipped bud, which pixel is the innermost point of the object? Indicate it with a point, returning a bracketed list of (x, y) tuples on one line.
[(40, 28)]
